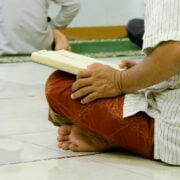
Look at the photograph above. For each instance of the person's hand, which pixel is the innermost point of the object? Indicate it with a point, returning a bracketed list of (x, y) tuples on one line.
[(60, 40), (95, 82), (127, 64)]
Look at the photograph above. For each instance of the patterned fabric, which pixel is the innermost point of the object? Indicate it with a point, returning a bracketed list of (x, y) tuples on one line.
[(56, 119), (102, 117), (105, 47), (14, 59), (161, 101)]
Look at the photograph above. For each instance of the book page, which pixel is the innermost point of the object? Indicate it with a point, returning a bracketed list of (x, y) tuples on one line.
[(66, 61)]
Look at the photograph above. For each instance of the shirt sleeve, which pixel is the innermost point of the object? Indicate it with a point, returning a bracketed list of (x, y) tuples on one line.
[(162, 23), (69, 9)]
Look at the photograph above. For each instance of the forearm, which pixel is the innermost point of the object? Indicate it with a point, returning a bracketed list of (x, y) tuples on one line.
[(160, 65), (65, 16)]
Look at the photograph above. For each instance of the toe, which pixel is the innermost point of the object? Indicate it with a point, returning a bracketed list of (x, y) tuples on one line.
[(73, 147), (62, 138), (64, 145), (64, 130)]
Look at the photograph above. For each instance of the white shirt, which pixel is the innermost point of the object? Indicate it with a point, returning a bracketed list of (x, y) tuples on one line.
[(162, 101), (24, 27)]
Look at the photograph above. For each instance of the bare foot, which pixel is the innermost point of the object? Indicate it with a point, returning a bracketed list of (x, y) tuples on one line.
[(72, 137)]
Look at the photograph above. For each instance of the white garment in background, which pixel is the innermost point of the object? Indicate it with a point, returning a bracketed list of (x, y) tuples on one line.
[(24, 27)]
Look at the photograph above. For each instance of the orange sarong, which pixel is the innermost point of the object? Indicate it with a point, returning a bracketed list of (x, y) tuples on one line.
[(102, 117)]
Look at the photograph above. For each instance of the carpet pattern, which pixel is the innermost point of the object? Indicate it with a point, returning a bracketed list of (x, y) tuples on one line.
[(91, 48)]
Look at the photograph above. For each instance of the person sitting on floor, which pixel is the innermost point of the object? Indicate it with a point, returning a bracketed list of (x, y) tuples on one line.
[(24, 26), (137, 109)]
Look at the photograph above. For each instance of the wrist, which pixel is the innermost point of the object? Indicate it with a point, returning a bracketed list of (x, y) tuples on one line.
[(119, 81), (58, 35)]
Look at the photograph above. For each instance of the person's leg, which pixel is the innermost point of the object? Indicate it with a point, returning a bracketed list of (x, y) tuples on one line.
[(99, 125)]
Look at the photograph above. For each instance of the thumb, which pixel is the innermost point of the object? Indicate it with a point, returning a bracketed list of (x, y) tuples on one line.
[(127, 63)]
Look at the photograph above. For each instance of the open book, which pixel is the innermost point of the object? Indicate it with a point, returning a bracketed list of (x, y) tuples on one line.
[(66, 61)]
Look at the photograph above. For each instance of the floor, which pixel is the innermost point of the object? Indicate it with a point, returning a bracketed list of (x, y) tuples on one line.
[(28, 147)]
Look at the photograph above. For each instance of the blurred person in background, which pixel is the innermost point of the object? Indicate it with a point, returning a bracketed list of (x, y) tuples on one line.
[(25, 26)]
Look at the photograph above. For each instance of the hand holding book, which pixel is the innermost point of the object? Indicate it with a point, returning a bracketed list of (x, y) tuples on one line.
[(95, 78), (96, 82)]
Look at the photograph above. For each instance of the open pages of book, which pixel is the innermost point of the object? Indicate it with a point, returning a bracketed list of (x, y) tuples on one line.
[(66, 61)]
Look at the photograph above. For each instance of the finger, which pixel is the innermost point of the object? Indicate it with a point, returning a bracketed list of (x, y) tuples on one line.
[(91, 97), (84, 74), (82, 92), (130, 63), (123, 64), (59, 46), (62, 138), (69, 48), (80, 83), (127, 63)]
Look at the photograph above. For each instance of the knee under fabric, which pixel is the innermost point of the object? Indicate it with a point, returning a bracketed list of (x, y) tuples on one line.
[(102, 117)]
